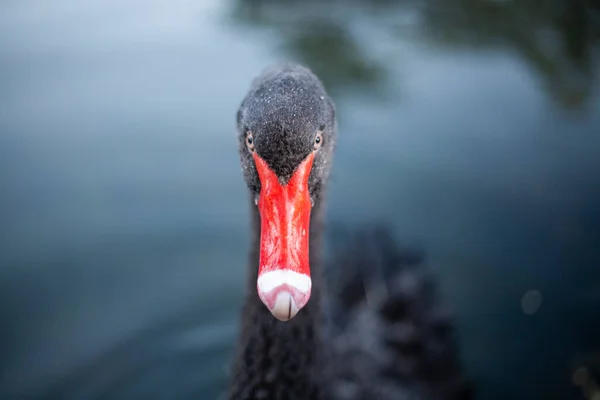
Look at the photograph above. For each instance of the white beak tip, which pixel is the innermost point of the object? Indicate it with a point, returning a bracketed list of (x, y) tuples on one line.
[(284, 292), (285, 307)]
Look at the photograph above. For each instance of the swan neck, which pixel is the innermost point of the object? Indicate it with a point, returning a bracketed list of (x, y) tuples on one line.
[(271, 352)]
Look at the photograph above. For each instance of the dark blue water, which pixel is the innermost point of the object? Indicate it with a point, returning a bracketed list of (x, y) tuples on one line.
[(473, 127)]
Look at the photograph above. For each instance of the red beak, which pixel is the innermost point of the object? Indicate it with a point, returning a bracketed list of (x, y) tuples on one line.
[(284, 282)]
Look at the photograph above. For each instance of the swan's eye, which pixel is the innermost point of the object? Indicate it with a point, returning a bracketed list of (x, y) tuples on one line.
[(249, 142), (318, 140)]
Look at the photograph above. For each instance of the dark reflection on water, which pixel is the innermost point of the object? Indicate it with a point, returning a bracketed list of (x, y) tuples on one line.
[(558, 40), (472, 126)]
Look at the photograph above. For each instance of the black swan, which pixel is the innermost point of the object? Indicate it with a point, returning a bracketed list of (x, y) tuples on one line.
[(373, 331)]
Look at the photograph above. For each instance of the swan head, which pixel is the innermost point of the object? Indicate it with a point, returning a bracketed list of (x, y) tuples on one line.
[(286, 125)]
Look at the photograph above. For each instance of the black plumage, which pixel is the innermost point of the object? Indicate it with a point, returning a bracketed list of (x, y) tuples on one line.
[(374, 329)]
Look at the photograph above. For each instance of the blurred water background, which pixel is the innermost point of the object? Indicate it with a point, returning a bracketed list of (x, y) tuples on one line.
[(473, 126)]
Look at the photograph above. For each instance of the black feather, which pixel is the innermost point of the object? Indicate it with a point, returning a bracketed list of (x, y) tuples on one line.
[(375, 329)]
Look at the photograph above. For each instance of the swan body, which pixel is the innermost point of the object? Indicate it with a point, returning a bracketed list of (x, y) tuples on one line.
[(374, 329)]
